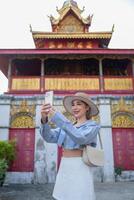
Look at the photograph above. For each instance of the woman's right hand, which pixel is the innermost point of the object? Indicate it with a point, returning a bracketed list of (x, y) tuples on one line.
[(45, 109)]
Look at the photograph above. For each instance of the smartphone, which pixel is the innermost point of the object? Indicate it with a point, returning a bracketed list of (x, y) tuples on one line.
[(49, 97)]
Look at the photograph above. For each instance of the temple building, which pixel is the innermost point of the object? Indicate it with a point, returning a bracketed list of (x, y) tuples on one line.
[(70, 58)]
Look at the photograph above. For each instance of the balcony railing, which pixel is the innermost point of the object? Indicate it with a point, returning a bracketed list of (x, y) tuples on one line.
[(72, 83), (25, 84), (93, 84), (118, 84)]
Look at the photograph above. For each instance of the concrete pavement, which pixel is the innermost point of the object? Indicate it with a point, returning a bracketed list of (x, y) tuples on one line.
[(104, 191)]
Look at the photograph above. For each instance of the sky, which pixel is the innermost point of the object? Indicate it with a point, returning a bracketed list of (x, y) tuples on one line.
[(17, 15)]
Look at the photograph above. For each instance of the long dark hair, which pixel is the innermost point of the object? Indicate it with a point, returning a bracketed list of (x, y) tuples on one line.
[(88, 113)]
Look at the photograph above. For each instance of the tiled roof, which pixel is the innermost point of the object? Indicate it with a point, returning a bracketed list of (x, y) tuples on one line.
[(60, 35)]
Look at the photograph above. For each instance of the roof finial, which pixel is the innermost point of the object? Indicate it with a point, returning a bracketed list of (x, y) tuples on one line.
[(30, 28), (57, 8), (113, 28), (83, 9), (69, 2), (52, 19)]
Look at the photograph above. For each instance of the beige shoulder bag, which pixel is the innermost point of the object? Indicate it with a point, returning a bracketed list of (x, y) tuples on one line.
[(92, 156)]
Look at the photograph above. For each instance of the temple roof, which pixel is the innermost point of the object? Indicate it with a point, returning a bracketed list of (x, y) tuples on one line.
[(89, 35), (71, 25)]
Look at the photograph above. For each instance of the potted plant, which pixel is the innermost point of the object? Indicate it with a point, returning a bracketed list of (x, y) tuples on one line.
[(7, 155), (118, 172)]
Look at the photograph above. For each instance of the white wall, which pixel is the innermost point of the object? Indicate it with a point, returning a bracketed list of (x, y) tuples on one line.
[(4, 117)]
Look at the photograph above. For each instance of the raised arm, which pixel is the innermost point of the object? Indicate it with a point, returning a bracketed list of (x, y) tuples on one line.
[(85, 135), (48, 134)]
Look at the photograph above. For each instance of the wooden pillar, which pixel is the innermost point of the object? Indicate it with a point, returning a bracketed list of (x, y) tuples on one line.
[(42, 75), (101, 75), (9, 74)]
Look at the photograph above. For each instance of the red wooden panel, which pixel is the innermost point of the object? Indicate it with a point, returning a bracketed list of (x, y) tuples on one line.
[(130, 160), (130, 138), (59, 156), (25, 139), (123, 142)]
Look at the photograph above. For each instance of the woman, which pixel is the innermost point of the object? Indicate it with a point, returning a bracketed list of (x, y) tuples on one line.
[(74, 179)]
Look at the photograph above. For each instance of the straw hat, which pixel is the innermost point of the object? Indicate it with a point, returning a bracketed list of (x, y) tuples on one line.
[(67, 102)]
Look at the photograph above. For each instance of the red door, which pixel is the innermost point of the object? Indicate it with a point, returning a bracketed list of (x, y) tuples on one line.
[(123, 142), (25, 139)]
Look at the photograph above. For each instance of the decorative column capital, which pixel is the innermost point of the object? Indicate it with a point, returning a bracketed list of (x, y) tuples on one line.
[(42, 59), (100, 59), (10, 60), (104, 101)]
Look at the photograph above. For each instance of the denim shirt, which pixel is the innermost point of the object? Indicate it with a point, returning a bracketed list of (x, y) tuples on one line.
[(68, 135)]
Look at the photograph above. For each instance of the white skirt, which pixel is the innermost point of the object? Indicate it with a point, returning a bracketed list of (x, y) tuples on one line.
[(74, 180)]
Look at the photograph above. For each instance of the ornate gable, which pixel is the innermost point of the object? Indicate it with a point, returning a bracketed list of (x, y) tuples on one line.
[(70, 19), (70, 23)]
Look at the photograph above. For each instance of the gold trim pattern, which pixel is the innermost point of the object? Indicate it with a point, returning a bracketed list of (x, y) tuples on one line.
[(25, 84), (51, 35), (123, 107), (22, 115), (123, 114), (71, 84), (123, 121), (23, 108), (22, 122), (118, 83)]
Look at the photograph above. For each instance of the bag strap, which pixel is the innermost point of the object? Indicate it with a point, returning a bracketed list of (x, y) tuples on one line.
[(100, 141)]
